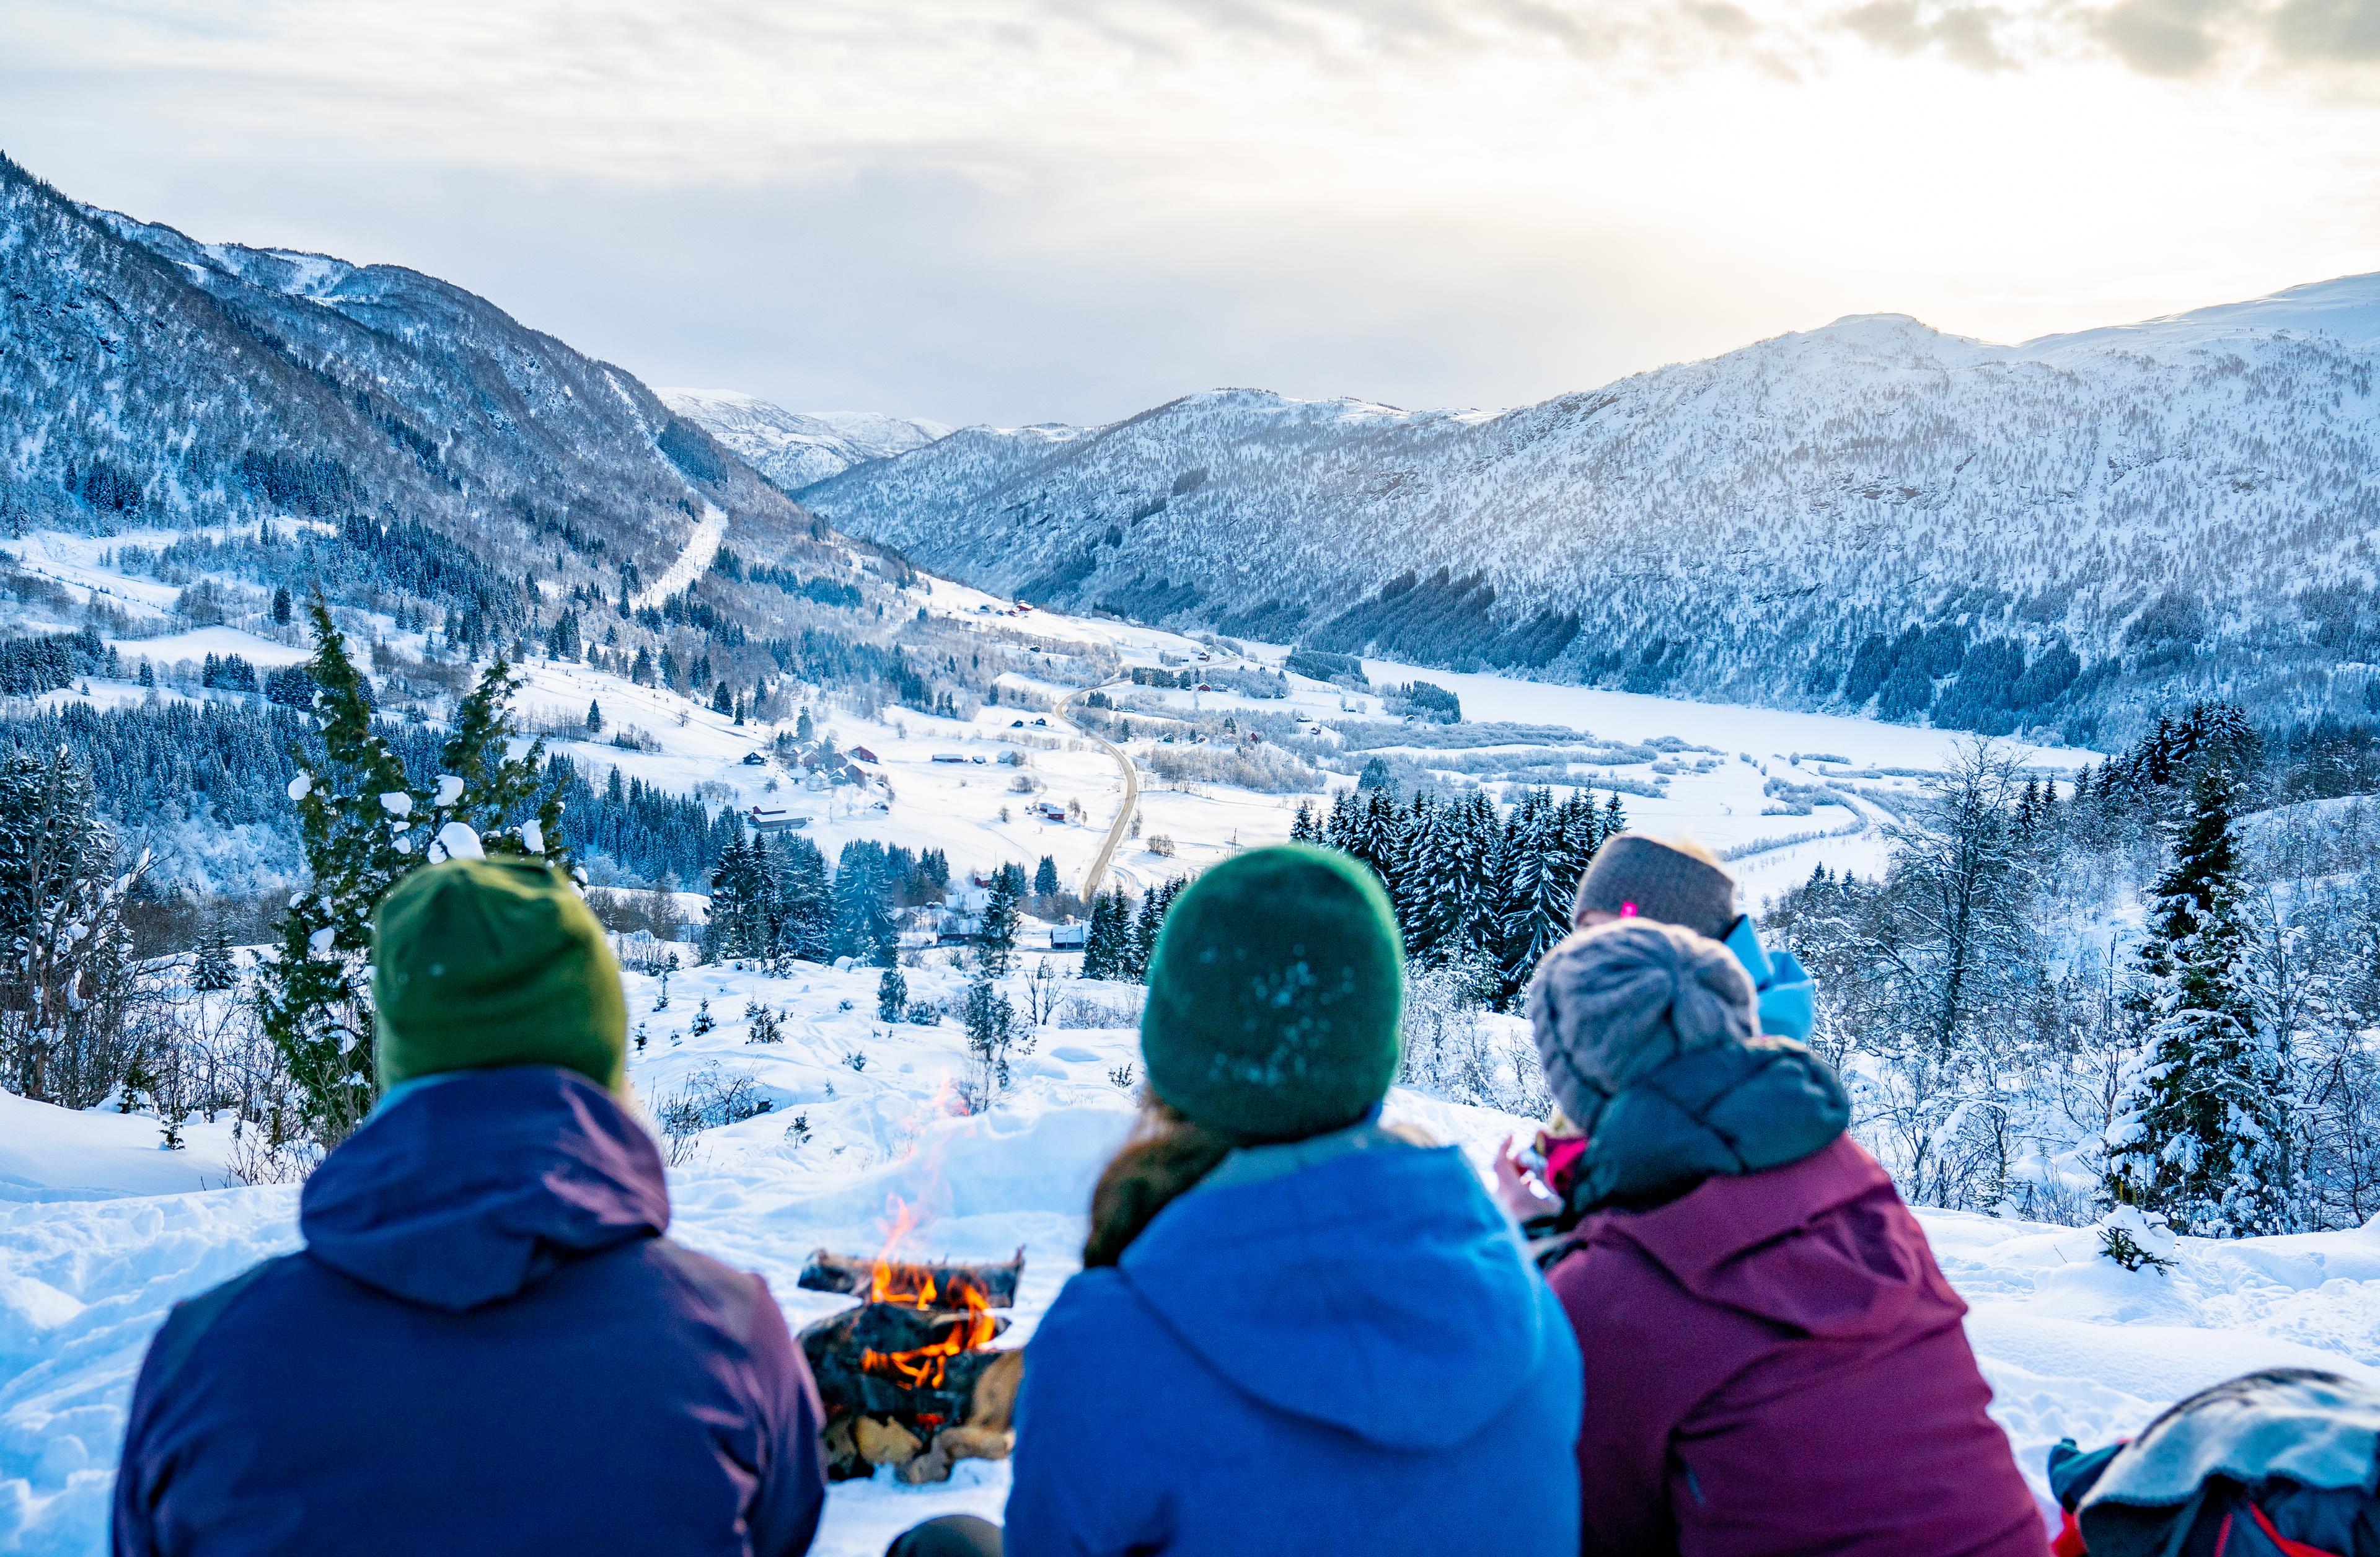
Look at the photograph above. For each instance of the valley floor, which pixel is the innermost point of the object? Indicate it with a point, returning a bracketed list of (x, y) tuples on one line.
[(101, 1233)]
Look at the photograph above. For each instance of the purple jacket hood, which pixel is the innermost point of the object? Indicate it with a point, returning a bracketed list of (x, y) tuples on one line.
[(473, 1187)]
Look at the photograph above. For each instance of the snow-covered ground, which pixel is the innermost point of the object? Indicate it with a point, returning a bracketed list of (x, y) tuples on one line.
[(101, 1233)]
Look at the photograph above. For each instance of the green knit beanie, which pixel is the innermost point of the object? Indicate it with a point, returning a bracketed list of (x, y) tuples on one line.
[(1275, 995), (480, 963)]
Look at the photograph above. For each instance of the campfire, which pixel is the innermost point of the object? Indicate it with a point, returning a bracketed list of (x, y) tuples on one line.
[(909, 1377)]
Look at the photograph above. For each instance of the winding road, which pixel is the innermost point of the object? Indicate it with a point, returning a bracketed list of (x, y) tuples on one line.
[(1101, 861)]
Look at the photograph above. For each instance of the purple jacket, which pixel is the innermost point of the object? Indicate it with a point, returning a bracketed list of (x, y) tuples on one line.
[(1774, 1367), (485, 1348)]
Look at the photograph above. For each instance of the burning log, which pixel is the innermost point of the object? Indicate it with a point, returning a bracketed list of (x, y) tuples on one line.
[(907, 1376), (939, 1284)]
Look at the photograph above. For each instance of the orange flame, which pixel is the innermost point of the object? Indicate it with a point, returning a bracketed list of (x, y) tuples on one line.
[(915, 1286), (923, 1368)]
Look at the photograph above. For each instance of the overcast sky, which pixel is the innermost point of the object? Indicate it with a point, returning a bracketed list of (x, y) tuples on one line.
[(1070, 209)]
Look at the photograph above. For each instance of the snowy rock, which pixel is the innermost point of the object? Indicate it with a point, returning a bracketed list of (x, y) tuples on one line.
[(396, 802), (301, 786)]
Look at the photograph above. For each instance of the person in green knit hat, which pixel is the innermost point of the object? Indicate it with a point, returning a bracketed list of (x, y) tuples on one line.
[(483, 962), (487, 1344), (1296, 1328)]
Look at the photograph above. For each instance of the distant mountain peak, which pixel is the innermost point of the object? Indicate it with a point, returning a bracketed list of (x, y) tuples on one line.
[(795, 449)]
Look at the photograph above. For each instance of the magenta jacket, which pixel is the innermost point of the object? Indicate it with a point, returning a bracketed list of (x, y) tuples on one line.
[(1774, 1367)]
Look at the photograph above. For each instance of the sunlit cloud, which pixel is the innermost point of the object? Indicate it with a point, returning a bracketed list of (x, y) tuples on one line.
[(968, 209)]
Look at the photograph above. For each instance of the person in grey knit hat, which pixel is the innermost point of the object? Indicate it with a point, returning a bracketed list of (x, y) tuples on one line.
[(1650, 1042), (1611, 1006), (1772, 1360)]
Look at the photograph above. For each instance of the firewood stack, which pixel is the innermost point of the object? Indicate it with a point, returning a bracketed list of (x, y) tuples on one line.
[(909, 1378)]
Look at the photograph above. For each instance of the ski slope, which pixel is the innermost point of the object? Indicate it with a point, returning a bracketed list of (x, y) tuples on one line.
[(100, 1233)]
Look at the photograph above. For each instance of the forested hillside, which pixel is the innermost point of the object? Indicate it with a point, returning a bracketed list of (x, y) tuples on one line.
[(149, 381), (1871, 516)]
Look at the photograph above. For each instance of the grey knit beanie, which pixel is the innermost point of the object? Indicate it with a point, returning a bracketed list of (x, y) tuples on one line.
[(1610, 1004), (1638, 876)]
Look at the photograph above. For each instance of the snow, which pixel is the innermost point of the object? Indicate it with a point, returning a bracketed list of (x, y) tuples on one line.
[(692, 562), (106, 1232), (49, 1154), (200, 643)]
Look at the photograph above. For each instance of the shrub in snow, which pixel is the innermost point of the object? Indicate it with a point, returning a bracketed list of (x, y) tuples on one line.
[(2138, 1240)]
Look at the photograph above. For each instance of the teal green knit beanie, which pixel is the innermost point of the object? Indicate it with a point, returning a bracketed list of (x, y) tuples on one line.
[(479, 963), (1275, 995)]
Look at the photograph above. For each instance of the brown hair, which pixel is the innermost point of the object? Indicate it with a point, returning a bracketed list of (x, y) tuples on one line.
[(1165, 1158)]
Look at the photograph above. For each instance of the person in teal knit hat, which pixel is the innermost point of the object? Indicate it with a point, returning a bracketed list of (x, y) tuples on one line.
[(1296, 1330)]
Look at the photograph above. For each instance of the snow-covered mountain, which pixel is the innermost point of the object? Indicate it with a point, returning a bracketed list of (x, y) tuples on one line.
[(796, 448), (1871, 515), (147, 380)]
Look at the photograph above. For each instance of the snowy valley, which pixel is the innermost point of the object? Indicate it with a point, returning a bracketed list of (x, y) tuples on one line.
[(1934, 644)]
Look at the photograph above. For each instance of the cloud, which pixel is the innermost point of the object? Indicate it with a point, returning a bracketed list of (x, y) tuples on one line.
[(2329, 31), (2170, 37), (1963, 34), (2171, 40)]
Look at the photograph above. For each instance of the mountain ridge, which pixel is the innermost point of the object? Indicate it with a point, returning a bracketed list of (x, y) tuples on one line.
[(796, 449), (2170, 509)]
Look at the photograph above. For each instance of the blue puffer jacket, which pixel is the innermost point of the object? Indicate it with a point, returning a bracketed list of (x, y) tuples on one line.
[(1788, 998), (485, 1348), (1331, 1347)]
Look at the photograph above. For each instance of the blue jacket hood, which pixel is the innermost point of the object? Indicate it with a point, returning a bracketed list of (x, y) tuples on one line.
[(470, 1191), (1788, 998), (1381, 1292)]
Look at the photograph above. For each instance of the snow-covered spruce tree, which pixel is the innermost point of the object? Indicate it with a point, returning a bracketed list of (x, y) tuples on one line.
[(2206, 1141), (892, 996), (214, 969), (1000, 912), (992, 1033), (737, 923), (364, 827), (1106, 944), (66, 981)]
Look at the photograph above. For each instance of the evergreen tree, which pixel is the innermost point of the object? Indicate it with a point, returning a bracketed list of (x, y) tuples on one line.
[(215, 968), (562, 642), (738, 926), (66, 976), (1001, 914), (1107, 950), (281, 604), (364, 827), (804, 919), (1305, 827), (1543, 879), (594, 718), (703, 1020), (892, 996), (2206, 1142), (863, 923), (1045, 878), (992, 1026), (723, 700)]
